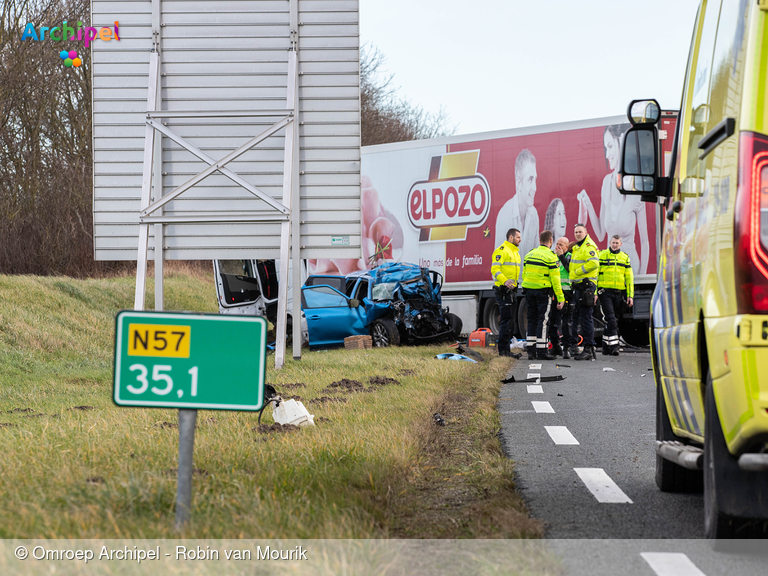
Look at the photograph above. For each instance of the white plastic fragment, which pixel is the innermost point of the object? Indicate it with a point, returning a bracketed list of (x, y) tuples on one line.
[(293, 412), (606, 369)]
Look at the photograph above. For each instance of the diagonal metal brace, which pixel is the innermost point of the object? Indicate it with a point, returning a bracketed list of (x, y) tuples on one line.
[(225, 171), (217, 166)]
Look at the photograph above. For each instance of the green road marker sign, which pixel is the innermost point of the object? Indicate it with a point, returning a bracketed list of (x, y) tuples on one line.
[(189, 361)]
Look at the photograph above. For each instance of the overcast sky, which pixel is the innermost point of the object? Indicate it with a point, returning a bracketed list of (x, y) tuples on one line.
[(498, 64)]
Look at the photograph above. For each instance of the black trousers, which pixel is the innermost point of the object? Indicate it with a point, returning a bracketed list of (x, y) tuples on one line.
[(582, 315), (505, 299), (562, 321), (539, 306), (611, 302)]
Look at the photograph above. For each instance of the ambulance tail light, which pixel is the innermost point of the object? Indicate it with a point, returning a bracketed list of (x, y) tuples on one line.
[(751, 225)]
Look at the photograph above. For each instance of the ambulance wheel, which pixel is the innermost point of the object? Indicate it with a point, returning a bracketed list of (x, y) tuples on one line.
[(455, 323), (384, 333), (669, 476), (730, 493)]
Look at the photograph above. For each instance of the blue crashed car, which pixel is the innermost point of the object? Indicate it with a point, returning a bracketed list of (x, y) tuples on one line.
[(394, 303)]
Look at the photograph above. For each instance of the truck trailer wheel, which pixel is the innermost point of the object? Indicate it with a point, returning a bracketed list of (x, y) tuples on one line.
[(669, 476), (384, 333), (491, 317), (522, 318), (732, 497)]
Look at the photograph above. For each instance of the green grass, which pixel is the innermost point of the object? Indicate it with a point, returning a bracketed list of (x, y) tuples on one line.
[(107, 472)]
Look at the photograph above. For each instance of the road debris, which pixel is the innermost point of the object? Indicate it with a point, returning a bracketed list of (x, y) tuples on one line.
[(606, 369), (439, 420), (450, 356), (512, 379)]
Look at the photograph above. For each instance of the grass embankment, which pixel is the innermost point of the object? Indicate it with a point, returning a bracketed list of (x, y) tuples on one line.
[(76, 466)]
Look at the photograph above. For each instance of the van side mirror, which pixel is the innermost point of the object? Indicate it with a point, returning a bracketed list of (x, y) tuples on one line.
[(637, 169)]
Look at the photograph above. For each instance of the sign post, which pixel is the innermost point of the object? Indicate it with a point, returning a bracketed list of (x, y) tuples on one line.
[(190, 362)]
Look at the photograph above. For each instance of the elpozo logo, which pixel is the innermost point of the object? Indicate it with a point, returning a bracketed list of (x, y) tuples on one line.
[(454, 198), (65, 32)]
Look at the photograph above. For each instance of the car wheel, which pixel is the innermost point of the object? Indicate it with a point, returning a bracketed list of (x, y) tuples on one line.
[(669, 476), (384, 333), (455, 323)]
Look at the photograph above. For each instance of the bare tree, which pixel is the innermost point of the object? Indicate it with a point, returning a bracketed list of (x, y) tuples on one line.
[(385, 116), (46, 178)]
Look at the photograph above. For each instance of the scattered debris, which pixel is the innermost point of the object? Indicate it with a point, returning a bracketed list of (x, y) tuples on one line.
[(470, 353), (94, 480), (439, 420), (326, 399), (275, 428), (382, 381), (512, 379), (559, 394), (606, 369), (562, 365), (451, 356), (642, 375), (515, 355), (82, 408), (292, 412)]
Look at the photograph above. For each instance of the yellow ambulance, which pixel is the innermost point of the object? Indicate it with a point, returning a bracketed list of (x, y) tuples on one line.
[(709, 315)]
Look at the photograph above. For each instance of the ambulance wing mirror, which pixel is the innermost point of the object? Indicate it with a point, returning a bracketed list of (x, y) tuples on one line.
[(637, 167), (643, 112)]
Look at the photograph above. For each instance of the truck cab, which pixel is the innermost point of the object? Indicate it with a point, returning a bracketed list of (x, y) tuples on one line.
[(709, 311)]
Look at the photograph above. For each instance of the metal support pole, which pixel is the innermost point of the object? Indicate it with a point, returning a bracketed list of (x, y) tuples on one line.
[(296, 193), (291, 134), (187, 420)]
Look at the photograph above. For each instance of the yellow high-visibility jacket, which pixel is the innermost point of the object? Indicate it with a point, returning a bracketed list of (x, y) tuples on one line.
[(542, 270), (616, 272), (585, 261), (505, 264)]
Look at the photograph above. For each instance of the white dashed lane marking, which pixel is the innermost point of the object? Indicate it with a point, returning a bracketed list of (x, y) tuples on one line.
[(601, 486), (543, 407), (535, 389), (671, 564), (561, 435), (534, 367)]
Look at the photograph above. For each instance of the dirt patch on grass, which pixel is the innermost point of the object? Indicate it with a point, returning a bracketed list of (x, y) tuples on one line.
[(326, 399), (407, 372), (294, 386), (195, 472), (275, 428), (382, 381), (7, 425), (82, 408), (168, 425), (463, 485), (344, 385), (19, 411)]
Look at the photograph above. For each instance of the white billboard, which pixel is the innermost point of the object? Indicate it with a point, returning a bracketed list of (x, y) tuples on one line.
[(219, 122)]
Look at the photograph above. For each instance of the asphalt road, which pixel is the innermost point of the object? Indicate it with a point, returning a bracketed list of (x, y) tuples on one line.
[(585, 465)]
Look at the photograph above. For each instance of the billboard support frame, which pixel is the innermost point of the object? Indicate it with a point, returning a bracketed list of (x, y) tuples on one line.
[(152, 173)]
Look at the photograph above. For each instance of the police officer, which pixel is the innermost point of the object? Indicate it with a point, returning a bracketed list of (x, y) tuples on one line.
[(541, 277), (505, 268), (583, 272), (562, 319), (613, 284)]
